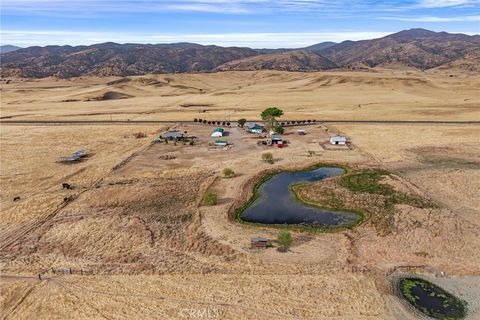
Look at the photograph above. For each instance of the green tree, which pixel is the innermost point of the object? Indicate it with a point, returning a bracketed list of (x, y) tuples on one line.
[(269, 115), (284, 239), (278, 129), (210, 199), (267, 157), (228, 173), (241, 122)]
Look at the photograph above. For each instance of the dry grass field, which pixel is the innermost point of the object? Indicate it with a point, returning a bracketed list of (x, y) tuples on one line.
[(140, 244), (371, 95)]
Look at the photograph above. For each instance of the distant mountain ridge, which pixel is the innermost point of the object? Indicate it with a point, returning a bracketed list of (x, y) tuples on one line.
[(415, 48), (8, 48)]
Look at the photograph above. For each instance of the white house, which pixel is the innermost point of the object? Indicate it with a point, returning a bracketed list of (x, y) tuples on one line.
[(338, 140), (218, 132)]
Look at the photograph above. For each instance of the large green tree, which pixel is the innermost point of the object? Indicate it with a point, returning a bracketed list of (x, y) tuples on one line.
[(269, 115)]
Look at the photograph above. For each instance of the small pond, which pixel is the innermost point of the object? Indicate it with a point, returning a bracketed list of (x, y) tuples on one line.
[(277, 204), (431, 300)]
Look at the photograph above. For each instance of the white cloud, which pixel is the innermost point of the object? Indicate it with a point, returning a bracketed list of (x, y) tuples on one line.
[(218, 6), (434, 19), (446, 3)]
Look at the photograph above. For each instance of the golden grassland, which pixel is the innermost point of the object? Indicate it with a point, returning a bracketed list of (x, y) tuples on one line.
[(380, 94), (149, 250)]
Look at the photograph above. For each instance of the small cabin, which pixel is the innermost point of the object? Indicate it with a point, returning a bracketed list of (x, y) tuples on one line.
[(338, 140), (255, 128), (173, 135), (217, 132), (259, 243)]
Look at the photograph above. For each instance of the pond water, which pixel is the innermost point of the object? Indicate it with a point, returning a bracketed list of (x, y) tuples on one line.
[(431, 300), (277, 203)]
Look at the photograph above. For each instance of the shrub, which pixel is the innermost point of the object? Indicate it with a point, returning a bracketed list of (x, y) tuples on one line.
[(284, 239), (279, 129), (311, 153), (241, 122), (228, 173), (210, 199), (267, 157)]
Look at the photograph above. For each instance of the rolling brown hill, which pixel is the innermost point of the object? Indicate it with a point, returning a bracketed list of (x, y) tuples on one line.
[(415, 48), (418, 48), (298, 60), (111, 59)]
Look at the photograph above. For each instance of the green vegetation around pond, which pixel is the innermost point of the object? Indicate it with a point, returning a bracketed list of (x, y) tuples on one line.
[(365, 191), (369, 181), (366, 181)]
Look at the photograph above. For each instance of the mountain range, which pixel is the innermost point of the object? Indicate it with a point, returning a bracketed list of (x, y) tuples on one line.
[(8, 48), (416, 48)]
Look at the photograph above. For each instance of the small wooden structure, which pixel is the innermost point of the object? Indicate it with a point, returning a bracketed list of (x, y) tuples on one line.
[(259, 243)]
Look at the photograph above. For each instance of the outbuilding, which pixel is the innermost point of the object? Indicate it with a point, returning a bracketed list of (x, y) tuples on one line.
[(255, 128), (220, 143), (217, 132), (173, 135), (276, 139), (259, 242), (338, 140)]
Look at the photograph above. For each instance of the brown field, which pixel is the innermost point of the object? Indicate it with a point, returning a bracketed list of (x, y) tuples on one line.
[(371, 95), (139, 243)]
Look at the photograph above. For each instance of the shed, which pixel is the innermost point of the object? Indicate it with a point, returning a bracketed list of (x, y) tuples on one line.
[(217, 132), (221, 143), (338, 140), (255, 128), (259, 242), (173, 135), (276, 139)]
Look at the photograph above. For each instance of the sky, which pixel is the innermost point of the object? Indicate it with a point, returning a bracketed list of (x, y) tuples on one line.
[(244, 23)]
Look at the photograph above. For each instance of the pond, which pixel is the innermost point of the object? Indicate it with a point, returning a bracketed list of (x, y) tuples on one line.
[(277, 204), (431, 300)]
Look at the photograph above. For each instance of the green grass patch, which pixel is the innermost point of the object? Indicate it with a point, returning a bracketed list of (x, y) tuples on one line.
[(210, 199), (366, 181), (369, 181)]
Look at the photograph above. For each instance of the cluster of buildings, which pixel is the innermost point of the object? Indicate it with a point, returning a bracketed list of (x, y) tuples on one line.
[(253, 128)]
